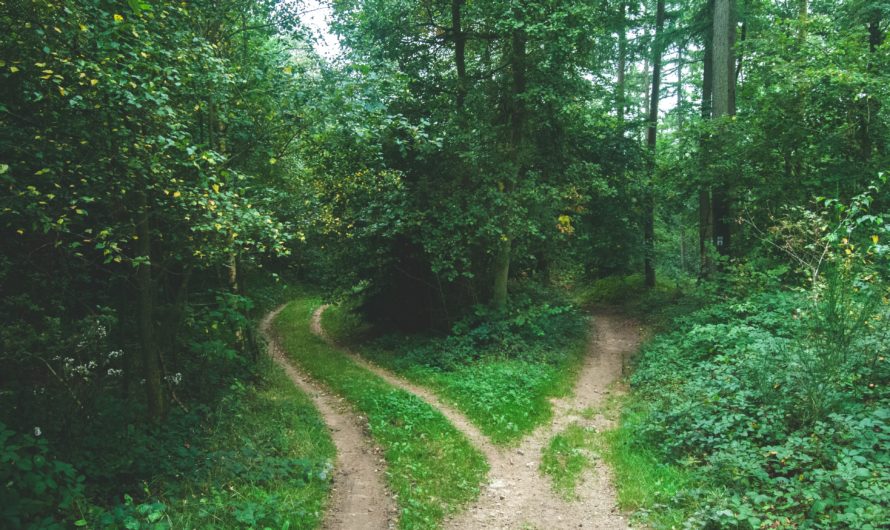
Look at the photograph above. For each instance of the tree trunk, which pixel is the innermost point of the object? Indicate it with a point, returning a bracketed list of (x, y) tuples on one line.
[(679, 87), (460, 45), (501, 274), (517, 123), (621, 94), (803, 9), (723, 104), (872, 105), (651, 140), (151, 369), (705, 214)]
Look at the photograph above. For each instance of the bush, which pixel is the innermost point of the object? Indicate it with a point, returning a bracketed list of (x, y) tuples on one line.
[(780, 400), (38, 491)]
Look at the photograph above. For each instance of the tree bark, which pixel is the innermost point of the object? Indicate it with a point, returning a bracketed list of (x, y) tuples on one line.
[(151, 369), (723, 104), (460, 46), (517, 124), (705, 214), (621, 95), (651, 140)]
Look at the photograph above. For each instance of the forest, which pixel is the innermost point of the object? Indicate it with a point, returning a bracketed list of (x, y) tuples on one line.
[(367, 264)]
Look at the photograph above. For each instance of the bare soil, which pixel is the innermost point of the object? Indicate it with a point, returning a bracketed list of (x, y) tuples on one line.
[(360, 499), (517, 495)]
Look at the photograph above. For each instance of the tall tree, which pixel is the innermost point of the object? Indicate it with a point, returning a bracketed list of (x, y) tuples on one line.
[(651, 140), (722, 106), (705, 211)]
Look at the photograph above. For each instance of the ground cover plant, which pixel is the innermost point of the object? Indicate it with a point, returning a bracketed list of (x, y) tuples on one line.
[(432, 468), (500, 371), (777, 406)]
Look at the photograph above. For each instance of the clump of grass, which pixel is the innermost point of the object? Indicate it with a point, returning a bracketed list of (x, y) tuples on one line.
[(566, 457), (268, 462), (432, 468)]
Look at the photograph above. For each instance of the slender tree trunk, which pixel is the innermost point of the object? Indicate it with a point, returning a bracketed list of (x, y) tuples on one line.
[(705, 213), (723, 105), (517, 124), (151, 369), (460, 45), (651, 140), (501, 273), (621, 96), (679, 86), (803, 9), (872, 105)]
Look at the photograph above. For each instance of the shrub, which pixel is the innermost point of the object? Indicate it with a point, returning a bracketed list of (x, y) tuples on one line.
[(779, 399)]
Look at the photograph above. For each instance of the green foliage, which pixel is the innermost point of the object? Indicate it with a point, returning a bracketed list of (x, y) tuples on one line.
[(431, 467), (567, 456), (39, 491), (778, 400)]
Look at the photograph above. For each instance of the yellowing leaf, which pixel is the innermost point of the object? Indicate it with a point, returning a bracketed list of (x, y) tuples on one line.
[(176, 194), (62, 91), (216, 188), (288, 69), (118, 18), (875, 239), (94, 82), (13, 69), (21, 232), (273, 161), (83, 28)]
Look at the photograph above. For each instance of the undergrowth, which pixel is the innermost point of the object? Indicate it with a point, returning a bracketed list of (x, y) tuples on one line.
[(242, 447), (431, 467), (762, 411)]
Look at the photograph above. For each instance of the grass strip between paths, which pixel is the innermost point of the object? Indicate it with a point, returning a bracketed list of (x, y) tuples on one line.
[(505, 398), (432, 468), (567, 456)]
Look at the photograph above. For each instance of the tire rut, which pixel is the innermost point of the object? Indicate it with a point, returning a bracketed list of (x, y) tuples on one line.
[(359, 499)]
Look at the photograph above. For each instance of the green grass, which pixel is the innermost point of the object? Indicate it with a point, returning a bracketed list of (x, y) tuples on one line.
[(566, 457), (645, 486), (269, 462), (505, 398), (432, 468)]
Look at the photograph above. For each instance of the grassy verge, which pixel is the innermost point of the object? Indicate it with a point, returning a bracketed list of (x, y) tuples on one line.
[(646, 486), (267, 463), (505, 397), (566, 457), (432, 467)]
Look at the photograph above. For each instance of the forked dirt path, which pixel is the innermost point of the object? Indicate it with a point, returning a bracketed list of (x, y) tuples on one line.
[(453, 415), (359, 500), (517, 496)]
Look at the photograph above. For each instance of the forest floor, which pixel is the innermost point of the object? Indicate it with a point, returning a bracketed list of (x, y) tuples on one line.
[(517, 494)]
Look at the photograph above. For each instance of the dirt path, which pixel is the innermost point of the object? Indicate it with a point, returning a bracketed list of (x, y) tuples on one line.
[(453, 415), (517, 496), (359, 499)]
